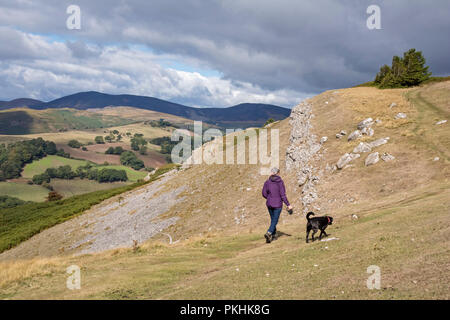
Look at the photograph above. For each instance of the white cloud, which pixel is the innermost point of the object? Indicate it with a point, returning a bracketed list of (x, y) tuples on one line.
[(52, 69)]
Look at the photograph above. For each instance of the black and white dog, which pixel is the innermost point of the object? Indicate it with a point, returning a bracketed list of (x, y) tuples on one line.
[(317, 223)]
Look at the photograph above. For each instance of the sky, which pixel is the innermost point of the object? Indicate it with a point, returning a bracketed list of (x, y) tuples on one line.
[(211, 53)]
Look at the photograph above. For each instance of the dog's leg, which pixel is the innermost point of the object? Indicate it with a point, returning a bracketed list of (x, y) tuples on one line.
[(320, 235), (307, 233), (314, 232)]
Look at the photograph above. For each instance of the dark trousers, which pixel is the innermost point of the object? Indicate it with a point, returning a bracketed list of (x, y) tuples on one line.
[(274, 216)]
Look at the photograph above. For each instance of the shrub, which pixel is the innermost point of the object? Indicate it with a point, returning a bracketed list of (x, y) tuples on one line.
[(54, 196), (99, 140), (74, 144), (129, 159)]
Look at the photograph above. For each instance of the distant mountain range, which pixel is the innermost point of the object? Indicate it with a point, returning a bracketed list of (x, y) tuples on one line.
[(245, 113)]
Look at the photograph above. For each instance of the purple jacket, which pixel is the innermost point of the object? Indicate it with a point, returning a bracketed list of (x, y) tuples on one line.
[(275, 192)]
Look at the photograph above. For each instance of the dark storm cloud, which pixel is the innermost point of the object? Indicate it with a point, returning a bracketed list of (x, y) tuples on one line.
[(303, 46)]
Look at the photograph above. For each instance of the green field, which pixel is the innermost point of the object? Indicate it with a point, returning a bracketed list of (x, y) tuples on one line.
[(69, 188), (39, 166), (23, 191)]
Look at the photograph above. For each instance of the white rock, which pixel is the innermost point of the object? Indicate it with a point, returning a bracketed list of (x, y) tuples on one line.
[(379, 142), (372, 159), (367, 131), (387, 157), (343, 132), (346, 159), (354, 216), (323, 140), (365, 123), (354, 135), (362, 148), (393, 104), (338, 136), (329, 239), (436, 159), (441, 122), (401, 115)]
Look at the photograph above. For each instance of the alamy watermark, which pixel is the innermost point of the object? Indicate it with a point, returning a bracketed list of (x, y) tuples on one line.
[(73, 22), (73, 282), (373, 22), (374, 280), (251, 144)]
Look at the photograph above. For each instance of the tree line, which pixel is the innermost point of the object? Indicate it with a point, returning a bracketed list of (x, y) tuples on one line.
[(83, 172), (14, 156)]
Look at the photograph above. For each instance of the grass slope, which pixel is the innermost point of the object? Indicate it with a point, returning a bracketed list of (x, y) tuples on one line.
[(244, 267), (50, 161), (23, 191)]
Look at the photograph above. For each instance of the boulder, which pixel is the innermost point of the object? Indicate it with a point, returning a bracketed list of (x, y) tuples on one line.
[(343, 132), (379, 142), (346, 159), (362, 148), (368, 131), (401, 115), (354, 135), (365, 123), (387, 157), (372, 159)]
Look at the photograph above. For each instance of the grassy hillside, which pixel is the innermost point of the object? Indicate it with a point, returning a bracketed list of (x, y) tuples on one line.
[(402, 224), (23, 191)]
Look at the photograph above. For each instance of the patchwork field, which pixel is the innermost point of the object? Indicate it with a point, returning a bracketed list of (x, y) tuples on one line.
[(51, 161), (69, 188), (23, 191)]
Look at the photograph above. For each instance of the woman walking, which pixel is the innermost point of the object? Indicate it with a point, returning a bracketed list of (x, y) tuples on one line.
[(275, 193)]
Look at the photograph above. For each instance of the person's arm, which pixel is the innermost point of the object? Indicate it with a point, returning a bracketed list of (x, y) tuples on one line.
[(265, 190), (283, 194)]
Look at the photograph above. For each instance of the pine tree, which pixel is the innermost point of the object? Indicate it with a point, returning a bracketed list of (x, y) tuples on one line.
[(415, 70)]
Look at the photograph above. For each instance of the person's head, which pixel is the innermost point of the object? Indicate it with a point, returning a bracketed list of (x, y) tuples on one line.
[(274, 171)]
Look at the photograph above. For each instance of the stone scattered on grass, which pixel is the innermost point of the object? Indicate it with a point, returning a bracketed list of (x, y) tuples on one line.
[(436, 159), (387, 157), (441, 122), (393, 104), (365, 123), (379, 142), (362, 148), (367, 131), (346, 159), (372, 159), (323, 140), (354, 135), (401, 115)]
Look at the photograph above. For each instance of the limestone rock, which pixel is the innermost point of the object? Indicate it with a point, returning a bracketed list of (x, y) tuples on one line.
[(401, 115), (379, 142), (367, 131), (372, 159), (346, 159), (393, 104), (441, 122), (323, 140), (365, 123), (354, 135), (362, 148), (387, 157)]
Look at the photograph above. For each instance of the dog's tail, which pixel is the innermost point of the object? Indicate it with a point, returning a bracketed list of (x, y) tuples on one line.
[(309, 214)]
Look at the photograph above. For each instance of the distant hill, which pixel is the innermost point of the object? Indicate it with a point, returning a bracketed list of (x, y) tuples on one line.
[(246, 113), (18, 103)]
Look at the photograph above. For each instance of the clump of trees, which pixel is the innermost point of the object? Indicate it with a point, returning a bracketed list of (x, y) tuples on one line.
[(83, 172), (14, 156), (269, 121), (54, 196), (117, 150), (138, 142), (161, 123), (406, 71), (129, 159), (99, 140), (74, 144)]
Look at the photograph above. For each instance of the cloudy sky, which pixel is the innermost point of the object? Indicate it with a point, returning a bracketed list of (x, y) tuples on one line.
[(211, 52)]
